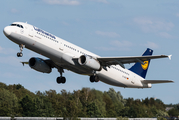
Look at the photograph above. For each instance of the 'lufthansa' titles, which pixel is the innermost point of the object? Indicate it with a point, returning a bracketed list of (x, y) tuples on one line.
[(46, 33)]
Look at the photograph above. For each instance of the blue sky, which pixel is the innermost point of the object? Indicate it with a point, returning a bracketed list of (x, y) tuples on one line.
[(105, 27)]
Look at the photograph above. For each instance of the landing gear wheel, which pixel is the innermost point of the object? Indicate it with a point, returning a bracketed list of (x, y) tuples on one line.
[(61, 80), (58, 80), (94, 78), (19, 54)]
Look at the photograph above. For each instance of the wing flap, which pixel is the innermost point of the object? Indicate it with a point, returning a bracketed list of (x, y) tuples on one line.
[(156, 81)]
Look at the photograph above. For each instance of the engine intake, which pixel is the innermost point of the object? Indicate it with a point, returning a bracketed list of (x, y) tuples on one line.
[(39, 65), (89, 63)]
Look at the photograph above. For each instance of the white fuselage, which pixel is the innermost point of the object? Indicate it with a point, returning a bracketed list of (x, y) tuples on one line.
[(62, 53)]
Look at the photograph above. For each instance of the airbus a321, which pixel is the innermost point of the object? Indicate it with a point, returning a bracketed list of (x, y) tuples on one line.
[(65, 55)]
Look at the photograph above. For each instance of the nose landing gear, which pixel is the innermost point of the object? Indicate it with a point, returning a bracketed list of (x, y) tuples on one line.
[(20, 54)]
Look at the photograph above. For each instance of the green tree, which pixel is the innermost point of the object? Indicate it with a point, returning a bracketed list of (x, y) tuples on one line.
[(3, 86), (28, 107), (161, 113), (116, 96), (132, 112), (43, 107), (129, 102), (92, 110), (72, 109), (118, 101), (97, 98), (125, 111), (160, 105), (110, 109), (173, 112), (85, 100), (8, 103), (20, 91), (76, 97)]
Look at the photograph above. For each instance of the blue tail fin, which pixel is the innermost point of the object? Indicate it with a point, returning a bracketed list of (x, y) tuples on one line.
[(140, 69)]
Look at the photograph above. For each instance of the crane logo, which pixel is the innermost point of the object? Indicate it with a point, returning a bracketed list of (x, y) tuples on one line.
[(145, 65)]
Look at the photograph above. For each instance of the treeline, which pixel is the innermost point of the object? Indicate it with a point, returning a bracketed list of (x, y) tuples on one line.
[(174, 111), (17, 101)]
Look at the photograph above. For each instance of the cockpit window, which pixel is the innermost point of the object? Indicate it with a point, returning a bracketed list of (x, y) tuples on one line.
[(17, 25)]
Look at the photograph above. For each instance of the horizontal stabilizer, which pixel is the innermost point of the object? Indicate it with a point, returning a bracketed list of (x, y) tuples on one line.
[(156, 81)]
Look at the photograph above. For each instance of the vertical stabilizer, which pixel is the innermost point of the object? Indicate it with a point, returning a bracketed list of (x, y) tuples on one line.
[(139, 68)]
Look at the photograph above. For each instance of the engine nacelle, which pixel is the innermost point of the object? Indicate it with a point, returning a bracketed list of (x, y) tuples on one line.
[(39, 65), (89, 62), (149, 85)]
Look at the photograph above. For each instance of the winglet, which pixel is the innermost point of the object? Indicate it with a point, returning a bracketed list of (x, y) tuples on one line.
[(170, 57)]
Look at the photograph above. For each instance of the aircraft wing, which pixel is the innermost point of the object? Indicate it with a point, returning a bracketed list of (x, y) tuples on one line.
[(156, 81), (24, 63), (107, 61)]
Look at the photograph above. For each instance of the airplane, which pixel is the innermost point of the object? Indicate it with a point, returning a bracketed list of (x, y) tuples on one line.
[(65, 55)]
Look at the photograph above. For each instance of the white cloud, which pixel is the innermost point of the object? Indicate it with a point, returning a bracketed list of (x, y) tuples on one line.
[(106, 48), (7, 51), (107, 34), (10, 60), (152, 25), (10, 75), (14, 10), (151, 45), (62, 2), (117, 46), (177, 14), (65, 23), (165, 35), (121, 43), (1, 49), (101, 1)]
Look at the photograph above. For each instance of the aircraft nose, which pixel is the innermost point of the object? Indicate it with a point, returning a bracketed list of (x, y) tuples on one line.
[(7, 31)]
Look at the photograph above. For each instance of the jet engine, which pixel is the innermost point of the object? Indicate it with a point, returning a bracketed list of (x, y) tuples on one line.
[(39, 65), (89, 62)]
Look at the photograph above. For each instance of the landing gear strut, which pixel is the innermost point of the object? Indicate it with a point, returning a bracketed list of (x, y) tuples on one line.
[(19, 54), (61, 79)]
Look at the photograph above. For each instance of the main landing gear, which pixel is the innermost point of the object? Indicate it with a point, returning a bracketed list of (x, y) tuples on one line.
[(94, 78), (61, 79), (19, 54)]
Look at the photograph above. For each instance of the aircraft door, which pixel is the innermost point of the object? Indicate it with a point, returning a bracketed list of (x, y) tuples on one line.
[(133, 80), (31, 31), (61, 45)]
